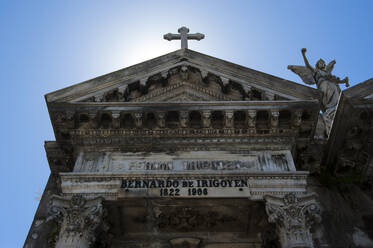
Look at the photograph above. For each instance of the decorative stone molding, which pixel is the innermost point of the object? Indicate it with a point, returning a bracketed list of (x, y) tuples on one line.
[(184, 72), (204, 74), (78, 218), (224, 80), (69, 115), (268, 96), (138, 116), (229, 118), (185, 243), (93, 120), (184, 119), (297, 118), (274, 118), (161, 119), (116, 120), (143, 82), (251, 118), (206, 118), (164, 74), (99, 98), (294, 215)]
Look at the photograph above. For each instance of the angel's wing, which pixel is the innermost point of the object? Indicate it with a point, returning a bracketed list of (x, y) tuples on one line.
[(330, 66), (303, 72)]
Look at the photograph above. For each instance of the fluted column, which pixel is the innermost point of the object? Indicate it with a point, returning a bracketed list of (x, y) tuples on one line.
[(293, 215), (78, 220)]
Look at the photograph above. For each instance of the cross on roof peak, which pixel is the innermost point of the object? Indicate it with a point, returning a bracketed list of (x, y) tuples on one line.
[(183, 36)]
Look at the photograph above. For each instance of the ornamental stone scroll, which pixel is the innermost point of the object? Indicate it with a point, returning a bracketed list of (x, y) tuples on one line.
[(294, 216), (78, 218)]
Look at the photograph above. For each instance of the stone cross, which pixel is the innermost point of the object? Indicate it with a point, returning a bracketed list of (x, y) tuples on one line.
[(183, 36)]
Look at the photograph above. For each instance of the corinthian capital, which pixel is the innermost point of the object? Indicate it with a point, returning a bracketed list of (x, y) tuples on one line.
[(294, 215), (78, 220)]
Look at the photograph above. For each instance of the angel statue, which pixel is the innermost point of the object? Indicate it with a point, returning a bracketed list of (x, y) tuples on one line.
[(326, 83)]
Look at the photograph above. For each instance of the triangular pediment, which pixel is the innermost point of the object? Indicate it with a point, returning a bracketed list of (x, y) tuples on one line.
[(362, 90), (183, 75)]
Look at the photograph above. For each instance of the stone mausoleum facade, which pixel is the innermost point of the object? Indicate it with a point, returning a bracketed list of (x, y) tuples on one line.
[(187, 150)]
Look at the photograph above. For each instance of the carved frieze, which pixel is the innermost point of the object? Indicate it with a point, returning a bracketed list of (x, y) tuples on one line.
[(187, 161), (187, 219)]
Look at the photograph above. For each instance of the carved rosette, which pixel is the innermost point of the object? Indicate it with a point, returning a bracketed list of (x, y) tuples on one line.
[(78, 219), (293, 215)]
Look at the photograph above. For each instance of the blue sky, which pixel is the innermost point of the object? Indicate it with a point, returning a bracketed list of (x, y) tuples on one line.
[(48, 45)]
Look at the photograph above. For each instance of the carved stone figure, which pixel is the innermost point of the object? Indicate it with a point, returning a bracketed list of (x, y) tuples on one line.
[(294, 217), (326, 83)]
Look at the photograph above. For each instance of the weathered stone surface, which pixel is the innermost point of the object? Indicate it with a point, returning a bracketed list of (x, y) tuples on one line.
[(187, 150)]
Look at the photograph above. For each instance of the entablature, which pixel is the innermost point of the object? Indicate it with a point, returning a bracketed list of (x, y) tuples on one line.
[(185, 120)]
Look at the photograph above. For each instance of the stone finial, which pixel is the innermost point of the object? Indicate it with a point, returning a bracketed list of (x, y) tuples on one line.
[(294, 216)]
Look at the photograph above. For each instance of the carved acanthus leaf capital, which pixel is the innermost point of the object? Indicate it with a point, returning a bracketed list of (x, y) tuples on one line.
[(294, 215), (78, 219)]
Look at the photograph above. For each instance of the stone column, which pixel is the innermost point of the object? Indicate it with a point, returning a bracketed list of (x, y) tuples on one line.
[(78, 219), (293, 215)]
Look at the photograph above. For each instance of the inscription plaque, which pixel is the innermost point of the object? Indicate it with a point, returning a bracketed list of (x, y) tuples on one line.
[(211, 187)]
